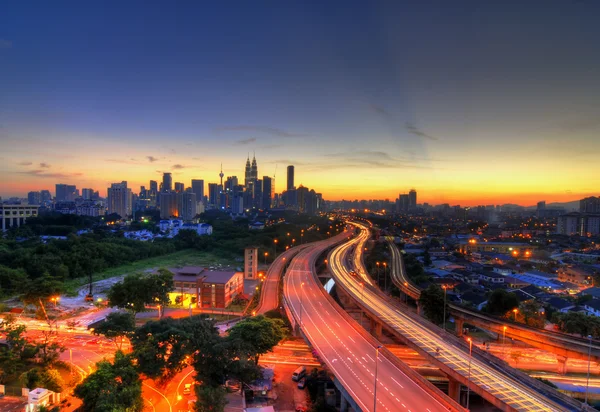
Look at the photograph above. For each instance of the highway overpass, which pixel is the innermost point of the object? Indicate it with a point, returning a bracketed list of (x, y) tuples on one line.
[(352, 354), (502, 386)]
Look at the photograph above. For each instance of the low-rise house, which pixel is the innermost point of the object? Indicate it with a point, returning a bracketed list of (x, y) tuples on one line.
[(592, 307), (561, 305)]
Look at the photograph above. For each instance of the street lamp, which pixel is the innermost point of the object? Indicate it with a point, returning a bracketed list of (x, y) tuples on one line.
[(469, 378), (587, 385), (375, 389), (385, 274), (301, 301), (515, 310), (266, 254), (378, 282), (503, 341), (445, 288), (275, 241)]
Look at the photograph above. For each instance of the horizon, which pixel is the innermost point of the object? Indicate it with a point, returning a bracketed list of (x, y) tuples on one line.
[(469, 105)]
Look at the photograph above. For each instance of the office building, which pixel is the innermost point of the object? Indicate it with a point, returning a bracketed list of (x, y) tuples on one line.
[(198, 188), (251, 263), (45, 196), (16, 215), (167, 183), (207, 289), (153, 186), (87, 194), (168, 205), (187, 205), (590, 205), (290, 177), (213, 195), (412, 199), (34, 198), (179, 187), (404, 203), (120, 199), (578, 224), (268, 190), (66, 192)]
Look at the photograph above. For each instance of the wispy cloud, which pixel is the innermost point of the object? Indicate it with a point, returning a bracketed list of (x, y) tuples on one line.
[(123, 161), (44, 173), (178, 166), (273, 131), (5, 44), (151, 159), (413, 129), (246, 141), (370, 159), (25, 163), (375, 108), (44, 165)]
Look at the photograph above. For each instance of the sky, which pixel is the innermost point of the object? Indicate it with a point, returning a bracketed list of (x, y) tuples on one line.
[(468, 102)]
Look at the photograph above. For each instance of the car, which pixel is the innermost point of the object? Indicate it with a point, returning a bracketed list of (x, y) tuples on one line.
[(187, 389), (302, 383)]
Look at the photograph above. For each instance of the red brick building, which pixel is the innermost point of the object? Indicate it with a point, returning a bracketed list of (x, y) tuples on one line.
[(207, 289)]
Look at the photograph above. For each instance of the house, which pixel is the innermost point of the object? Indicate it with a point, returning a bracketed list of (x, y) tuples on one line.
[(207, 289), (561, 305), (594, 292), (592, 307), (474, 299), (492, 277), (503, 270)]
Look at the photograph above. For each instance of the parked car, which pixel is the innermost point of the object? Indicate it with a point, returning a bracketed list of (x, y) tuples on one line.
[(302, 383)]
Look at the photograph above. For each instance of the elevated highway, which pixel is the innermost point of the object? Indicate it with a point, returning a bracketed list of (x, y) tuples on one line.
[(369, 375), (502, 386), (563, 345)]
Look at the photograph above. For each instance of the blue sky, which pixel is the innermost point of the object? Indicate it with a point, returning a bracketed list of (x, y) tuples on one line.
[(462, 100)]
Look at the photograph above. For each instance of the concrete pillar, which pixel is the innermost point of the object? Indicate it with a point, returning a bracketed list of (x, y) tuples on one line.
[(376, 329), (454, 387), (562, 364), (459, 325), (343, 404), (418, 308), (18, 222)]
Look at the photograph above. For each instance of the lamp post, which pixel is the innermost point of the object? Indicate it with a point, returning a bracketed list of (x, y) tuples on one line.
[(375, 389), (266, 254), (587, 385), (445, 288), (385, 274), (515, 310), (503, 341), (275, 241), (469, 378), (301, 301), (378, 281)]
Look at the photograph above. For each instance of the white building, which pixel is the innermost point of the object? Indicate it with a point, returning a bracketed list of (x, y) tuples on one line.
[(16, 215), (119, 199)]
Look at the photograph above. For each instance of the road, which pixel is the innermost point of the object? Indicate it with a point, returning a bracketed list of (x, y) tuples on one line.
[(346, 351), (269, 297), (501, 387)]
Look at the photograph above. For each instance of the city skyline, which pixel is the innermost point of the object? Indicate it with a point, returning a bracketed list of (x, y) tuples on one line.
[(364, 106)]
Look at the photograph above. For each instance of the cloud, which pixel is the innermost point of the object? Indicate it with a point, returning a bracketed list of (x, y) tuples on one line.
[(124, 161), (178, 166), (5, 44), (273, 131), (151, 159), (418, 132), (375, 108), (246, 141), (43, 173), (25, 164), (44, 165), (370, 159)]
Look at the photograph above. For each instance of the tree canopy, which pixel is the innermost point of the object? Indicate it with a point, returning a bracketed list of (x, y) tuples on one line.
[(257, 335), (116, 326), (432, 301), (138, 290), (501, 302)]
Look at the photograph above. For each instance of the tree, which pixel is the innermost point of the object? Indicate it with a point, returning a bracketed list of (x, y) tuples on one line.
[(432, 302), (112, 387), (533, 313), (426, 258), (257, 335), (48, 352), (137, 290), (501, 302), (210, 398), (42, 378), (116, 326), (39, 291)]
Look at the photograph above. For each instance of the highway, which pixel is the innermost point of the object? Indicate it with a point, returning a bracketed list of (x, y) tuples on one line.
[(574, 347), (269, 297), (347, 350), (503, 388)]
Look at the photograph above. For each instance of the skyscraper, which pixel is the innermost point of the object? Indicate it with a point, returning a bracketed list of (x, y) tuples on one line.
[(213, 195), (254, 169), (187, 205), (198, 188), (45, 196), (34, 198), (412, 199), (590, 205), (66, 193), (87, 194), (119, 199), (167, 183), (179, 187), (247, 173), (290, 177), (153, 187), (267, 192), (168, 205)]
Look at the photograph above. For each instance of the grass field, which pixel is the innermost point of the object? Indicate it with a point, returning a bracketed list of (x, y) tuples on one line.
[(188, 257)]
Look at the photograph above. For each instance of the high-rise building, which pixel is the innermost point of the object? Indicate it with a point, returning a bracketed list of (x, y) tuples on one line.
[(66, 193), (168, 205), (267, 192), (119, 199), (198, 188), (167, 183), (412, 199), (247, 173), (290, 177), (254, 169), (86, 194), (213, 195), (34, 198), (590, 205), (179, 187), (153, 186), (187, 205), (45, 196)]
